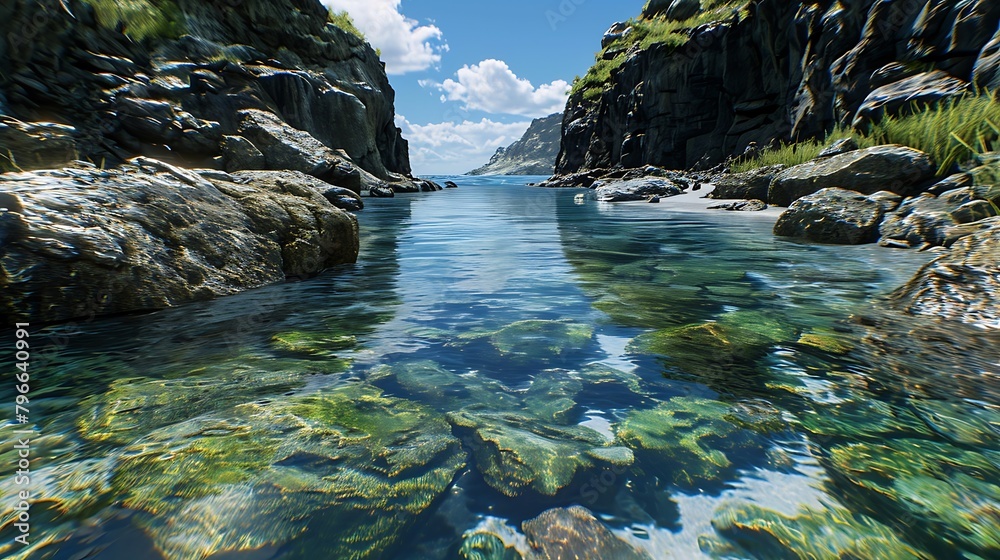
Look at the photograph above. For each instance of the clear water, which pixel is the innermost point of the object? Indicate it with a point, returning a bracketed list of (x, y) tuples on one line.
[(498, 351)]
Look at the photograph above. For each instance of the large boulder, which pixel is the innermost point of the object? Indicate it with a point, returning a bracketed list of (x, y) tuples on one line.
[(929, 220), (635, 189), (898, 169), (836, 216), (285, 147), (922, 89), (26, 146), (962, 284), (751, 185), (82, 242)]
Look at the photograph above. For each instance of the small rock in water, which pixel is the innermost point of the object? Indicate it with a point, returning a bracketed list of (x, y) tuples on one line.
[(653, 199)]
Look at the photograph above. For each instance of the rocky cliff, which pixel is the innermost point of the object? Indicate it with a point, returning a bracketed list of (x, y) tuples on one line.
[(165, 151), (534, 154), (690, 84), (170, 79)]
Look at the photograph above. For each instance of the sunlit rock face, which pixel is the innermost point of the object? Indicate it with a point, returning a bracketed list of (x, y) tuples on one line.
[(82, 242)]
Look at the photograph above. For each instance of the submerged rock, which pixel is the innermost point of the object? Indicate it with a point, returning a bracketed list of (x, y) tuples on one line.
[(948, 491), (837, 216), (575, 533), (484, 546), (259, 474), (689, 440), (535, 339), (516, 453), (138, 239), (735, 339), (748, 530), (898, 169)]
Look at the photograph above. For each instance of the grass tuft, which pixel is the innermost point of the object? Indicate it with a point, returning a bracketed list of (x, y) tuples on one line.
[(344, 21), (952, 132)]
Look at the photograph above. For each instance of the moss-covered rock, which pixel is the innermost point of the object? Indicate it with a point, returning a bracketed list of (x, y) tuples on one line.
[(484, 546), (312, 343), (736, 338), (446, 390), (517, 453), (536, 339), (947, 489), (256, 475), (689, 440), (750, 531)]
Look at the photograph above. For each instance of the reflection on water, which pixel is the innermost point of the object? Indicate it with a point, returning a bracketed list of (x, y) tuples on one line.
[(693, 382)]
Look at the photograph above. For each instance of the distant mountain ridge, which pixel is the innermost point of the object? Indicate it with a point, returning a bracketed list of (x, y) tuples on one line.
[(534, 154)]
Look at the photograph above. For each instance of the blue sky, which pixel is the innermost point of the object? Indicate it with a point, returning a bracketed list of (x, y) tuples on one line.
[(469, 76)]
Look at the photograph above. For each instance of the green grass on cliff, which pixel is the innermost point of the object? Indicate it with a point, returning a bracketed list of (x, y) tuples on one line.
[(646, 33), (344, 21), (140, 19), (952, 132)]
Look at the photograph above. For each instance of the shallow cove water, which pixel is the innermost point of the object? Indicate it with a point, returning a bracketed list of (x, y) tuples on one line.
[(498, 351)]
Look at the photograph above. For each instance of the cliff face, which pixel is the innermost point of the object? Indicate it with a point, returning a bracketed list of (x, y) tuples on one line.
[(534, 154), (168, 79), (777, 70)]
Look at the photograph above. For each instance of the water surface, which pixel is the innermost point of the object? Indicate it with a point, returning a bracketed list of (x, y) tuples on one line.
[(497, 351)]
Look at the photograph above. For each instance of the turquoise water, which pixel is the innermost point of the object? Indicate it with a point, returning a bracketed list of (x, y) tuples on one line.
[(697, 384)]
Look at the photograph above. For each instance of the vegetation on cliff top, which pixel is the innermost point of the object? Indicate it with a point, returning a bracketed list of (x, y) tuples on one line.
[(951, 132), (645, 33), (343, 20), (140, 19)]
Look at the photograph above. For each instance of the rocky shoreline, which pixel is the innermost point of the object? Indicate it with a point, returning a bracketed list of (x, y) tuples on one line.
[(891, 195)]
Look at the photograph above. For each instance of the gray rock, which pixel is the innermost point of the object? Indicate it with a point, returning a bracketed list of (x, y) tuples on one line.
[(618, 30), (951, 183), (898, 169), (285, 147), (634, 189), (750, 185), (116, 252), (960, 285), (930, 220), (35, 145), (836, 216), (381, 191), (681, 10), (342, 198), (986, 73), (450, 185), (239, 154), (924, 88), (740, 206), (841, 146)]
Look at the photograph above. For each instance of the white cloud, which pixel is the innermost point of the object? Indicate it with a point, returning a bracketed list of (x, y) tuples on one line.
[(491, 86), (450, 148), (406, 45)]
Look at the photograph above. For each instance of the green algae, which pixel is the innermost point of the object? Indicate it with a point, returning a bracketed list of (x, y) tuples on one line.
[(446, 390), (861, 417), (751, 531), (689, 440), (370, 463), (517, 453), (960, 422), (132, 407), (940, 485), (735, 340), (312, 343), (536, 339), (827, 342), (484, 546)]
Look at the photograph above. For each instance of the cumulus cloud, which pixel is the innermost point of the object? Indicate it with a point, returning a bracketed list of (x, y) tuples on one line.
[(491, 86), (406, 45), (451, 148)]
